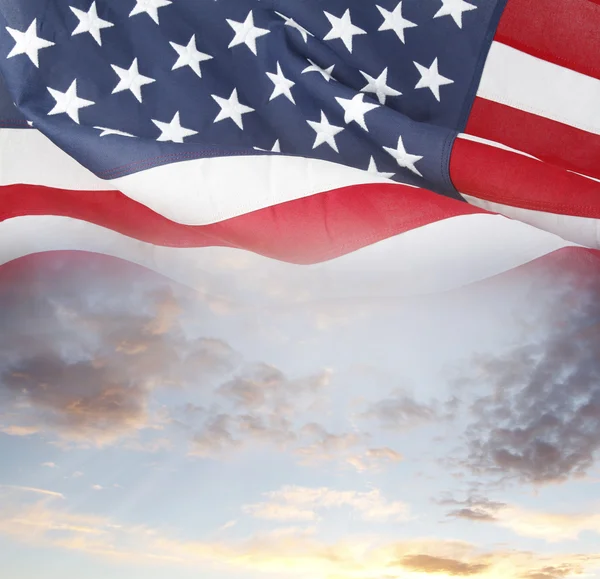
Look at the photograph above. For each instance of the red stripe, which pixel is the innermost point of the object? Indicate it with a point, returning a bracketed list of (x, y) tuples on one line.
[(554, 142), (565, 32), (511, 179), (306, 230)]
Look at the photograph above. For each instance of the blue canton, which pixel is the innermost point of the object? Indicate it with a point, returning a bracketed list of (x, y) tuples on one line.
[(383, 86)]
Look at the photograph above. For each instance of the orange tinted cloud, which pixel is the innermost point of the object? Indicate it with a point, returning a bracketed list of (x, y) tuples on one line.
[(34, 519)]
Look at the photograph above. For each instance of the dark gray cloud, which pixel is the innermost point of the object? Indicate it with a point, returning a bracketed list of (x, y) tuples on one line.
[(474, 508), (84, 398), (539, 419), (82, 350), (472, 515), (88, 352), (472, 501)]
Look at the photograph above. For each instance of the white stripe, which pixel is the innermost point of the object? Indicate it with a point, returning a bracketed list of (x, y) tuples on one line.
[(437, 257), (203, 191), (28, 156), (195, 192), (522, 81), (468, 137), (580, 230)]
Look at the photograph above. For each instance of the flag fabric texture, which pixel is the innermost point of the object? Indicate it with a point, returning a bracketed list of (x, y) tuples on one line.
[(446, 140)]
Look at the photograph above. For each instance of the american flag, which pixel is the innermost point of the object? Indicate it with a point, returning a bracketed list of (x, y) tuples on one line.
[(451, 140)]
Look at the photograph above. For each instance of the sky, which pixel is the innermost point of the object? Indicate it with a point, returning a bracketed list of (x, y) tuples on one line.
[(256, 427)]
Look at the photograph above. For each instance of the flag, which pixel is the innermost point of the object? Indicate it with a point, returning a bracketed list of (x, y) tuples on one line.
[(447, 141)]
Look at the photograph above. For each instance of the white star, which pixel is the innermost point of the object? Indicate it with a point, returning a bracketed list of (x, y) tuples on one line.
[(90, 22), (274, 149), (325, 132), (395, 21), (431, 78), (150, 7), (293, 24), (355, 109), (189, 56), (282, 84), (403, 158), (373, 169), (246, 33), (173, 131), (131, 80), (68, 102), (231, 109), (379, 86), (343, 29), (105, 131), (325, 72), (454, 8), (28, 42)]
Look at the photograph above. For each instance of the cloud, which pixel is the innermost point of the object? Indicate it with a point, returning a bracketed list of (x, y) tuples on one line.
[(46, 523), (400, 412), (374, 459), (167, 313), (295, 503), (475, 508), (280, 512), (23, 489), (94, 359), (263, 385), (472, 515), (49, 521), (14, 430), (206, 357), (259, 405), (429, 564), (551, 526), (83, 399), (551, 572), (473, 501), (81, 360), (50, 464), (324, 445), (538, 419), (290, 552), (215, 437), (273, 428)]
